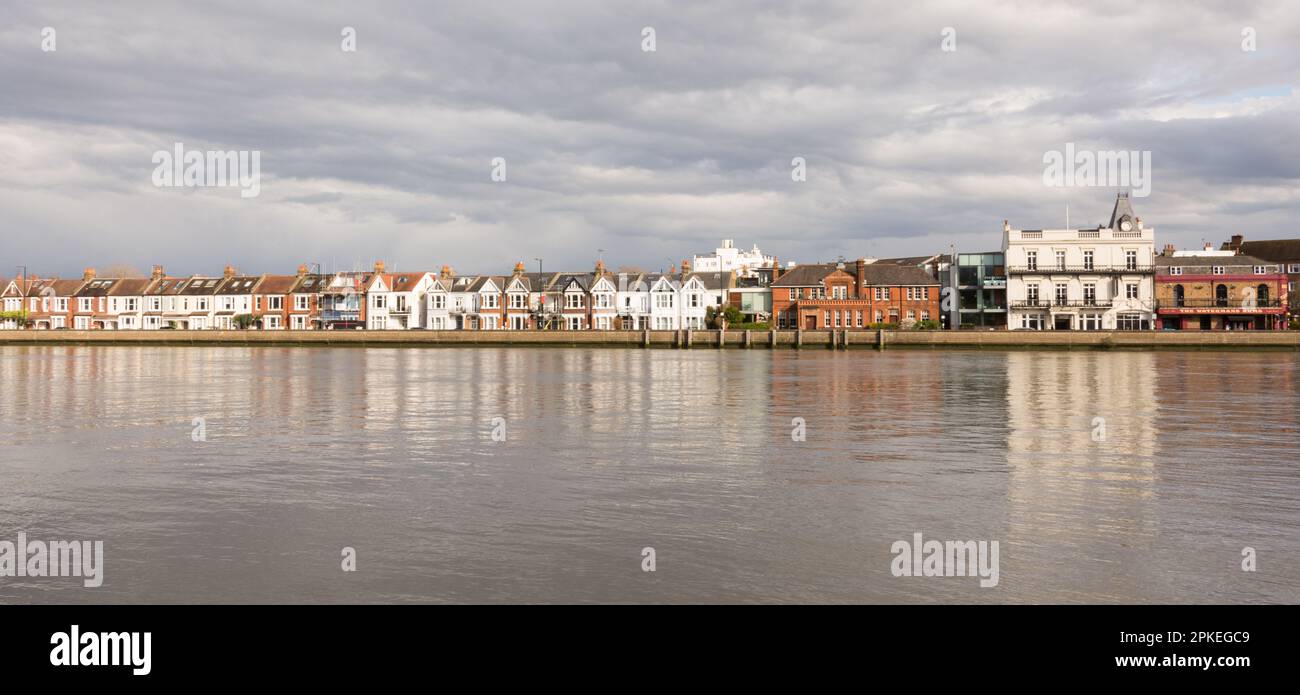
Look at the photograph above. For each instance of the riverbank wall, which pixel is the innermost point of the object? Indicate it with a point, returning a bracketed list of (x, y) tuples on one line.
[(781, 339)]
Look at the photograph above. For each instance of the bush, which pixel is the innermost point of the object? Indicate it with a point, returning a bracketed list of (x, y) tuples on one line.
[(243, 321), (926, 325)]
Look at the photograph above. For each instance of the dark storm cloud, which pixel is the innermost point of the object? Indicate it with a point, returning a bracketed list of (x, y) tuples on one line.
[(385, 152)]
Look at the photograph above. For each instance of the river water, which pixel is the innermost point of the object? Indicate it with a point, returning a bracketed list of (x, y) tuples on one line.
[(541, 475)]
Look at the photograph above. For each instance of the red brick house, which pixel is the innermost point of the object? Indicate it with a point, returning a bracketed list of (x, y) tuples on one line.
[(831, 296)]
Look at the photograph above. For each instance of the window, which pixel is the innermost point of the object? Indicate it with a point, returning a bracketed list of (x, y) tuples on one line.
[(1259, 270), (911, 314), (83, 304), (439, 300), (882, 294), (1062, 293), (380, 322), (1175, 270), (835, 316), (839, 292), (826, 318), (693, 300), (859, 317), (880, 317), (1129, 322), (302, 302), (573, 300), (1089, 293), (1031, 294), (1261, 294), (663, 300), (1179, 295), (1032, 321), (1221, 295), (1217, 270), (1031, 260), (61, 304), (380, 301), (1087, 260), (604, 301), (1131, 290), (1293, 268), (1060, 260), (490, 300), (1130, 260)]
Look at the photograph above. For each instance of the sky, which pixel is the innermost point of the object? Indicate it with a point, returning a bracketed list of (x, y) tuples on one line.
[(921, 125)]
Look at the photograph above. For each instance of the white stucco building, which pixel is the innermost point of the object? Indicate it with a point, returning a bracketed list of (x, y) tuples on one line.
[(727, 258), (1082, 279)]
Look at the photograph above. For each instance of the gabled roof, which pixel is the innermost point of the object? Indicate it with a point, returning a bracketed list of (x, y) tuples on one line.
[(130, 287), (98, 287), (200, 286), (481, 283), (311, 283), (165, 286), (276, 284), (809, 275), (239, 284), (1276, 250), (876, 274), (520, 282)]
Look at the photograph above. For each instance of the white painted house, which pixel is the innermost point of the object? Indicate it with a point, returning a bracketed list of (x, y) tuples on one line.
[(1082, 279), (396, 301)]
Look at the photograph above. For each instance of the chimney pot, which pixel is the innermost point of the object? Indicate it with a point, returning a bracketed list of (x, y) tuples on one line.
[(229, 272), (89, 274), (157, 272), (379, 266)]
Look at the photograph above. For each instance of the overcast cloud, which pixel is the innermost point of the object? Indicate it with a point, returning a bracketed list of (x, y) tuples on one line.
[(651, 156)]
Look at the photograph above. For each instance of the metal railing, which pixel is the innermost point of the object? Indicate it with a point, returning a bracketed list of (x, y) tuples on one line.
[(1073, 269), (1221, 304)]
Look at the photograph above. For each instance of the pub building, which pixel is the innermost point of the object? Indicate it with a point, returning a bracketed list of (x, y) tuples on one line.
[(1209, 290)]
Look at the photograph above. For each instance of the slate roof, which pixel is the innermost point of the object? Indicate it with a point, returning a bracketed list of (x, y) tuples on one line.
[(130, 287), (1190, 263), (1275, 250)]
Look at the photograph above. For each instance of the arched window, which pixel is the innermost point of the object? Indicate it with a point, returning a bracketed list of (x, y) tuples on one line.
[(1179, 295), (1221, 295), (1261, 295)]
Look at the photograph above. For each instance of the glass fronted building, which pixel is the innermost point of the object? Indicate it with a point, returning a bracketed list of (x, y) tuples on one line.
[(979, 285)]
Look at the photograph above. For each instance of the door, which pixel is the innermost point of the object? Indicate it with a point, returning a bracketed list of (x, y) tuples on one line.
[(810, 322)]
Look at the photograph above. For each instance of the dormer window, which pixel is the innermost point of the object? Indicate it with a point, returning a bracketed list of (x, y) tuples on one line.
[(1216, 270), (1259, 270)]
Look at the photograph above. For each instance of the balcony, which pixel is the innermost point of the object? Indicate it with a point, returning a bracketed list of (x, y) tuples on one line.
[(1068, 303), (1082, 270), (1231, 304)]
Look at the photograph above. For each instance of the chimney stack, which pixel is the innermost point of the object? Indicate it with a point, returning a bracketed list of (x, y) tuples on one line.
[(1235, 244), (447, 272), (157, 272), (686, 267), (229, 272), (88, 275), (600, 269), (379, 266), (1006, 225), (859, 275), (302, 270), (776, 268), (519, 268), (1169, 250)]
